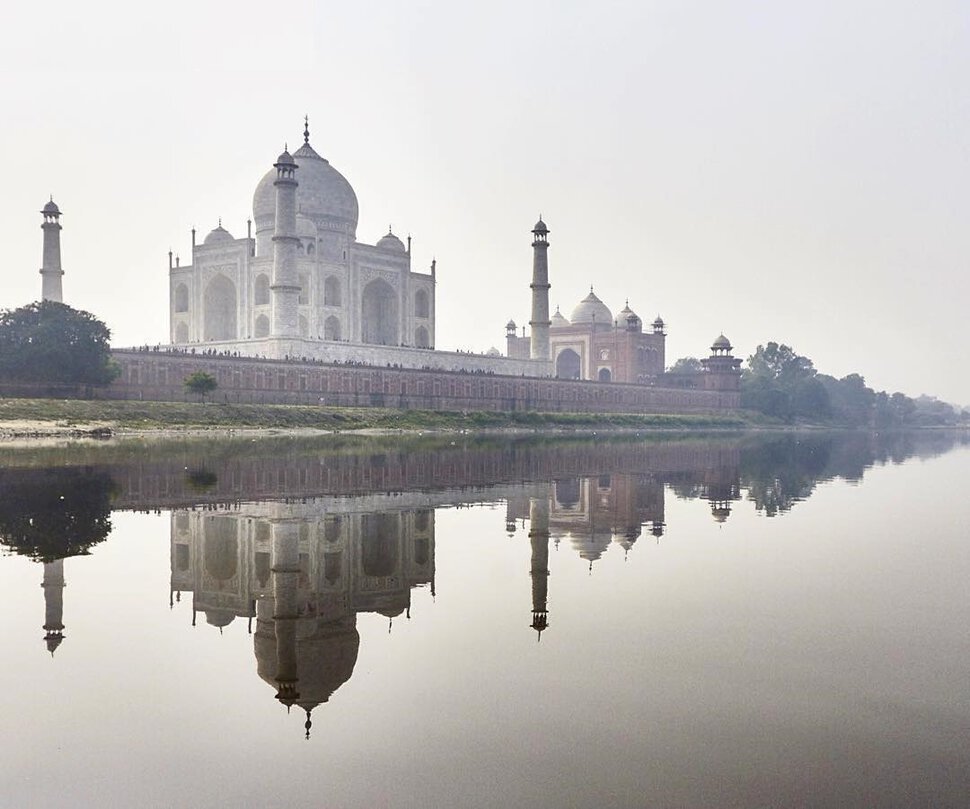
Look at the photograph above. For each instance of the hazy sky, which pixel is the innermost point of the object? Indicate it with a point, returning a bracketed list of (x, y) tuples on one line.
[(797, 172)]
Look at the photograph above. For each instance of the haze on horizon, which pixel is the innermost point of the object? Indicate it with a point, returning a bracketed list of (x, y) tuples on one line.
[(789, 172)]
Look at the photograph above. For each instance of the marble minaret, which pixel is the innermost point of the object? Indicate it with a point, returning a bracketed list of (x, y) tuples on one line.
[(51, 271), (286, 283), (539, 323)]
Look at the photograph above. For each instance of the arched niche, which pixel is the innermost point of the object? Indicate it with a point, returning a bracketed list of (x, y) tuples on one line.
[(379, 314), (261, 290), (219, 318), (261, 326), (181, 298)]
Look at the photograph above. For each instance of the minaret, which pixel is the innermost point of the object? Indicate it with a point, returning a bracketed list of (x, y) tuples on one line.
[(539, 538), (286, 286), (53, 585), (51, 271), (540, 292)]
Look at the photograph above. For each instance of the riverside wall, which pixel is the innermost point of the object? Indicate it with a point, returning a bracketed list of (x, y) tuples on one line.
[(159, 376)]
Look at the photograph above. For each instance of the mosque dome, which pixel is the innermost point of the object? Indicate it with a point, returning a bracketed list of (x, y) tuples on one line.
[(558, 320), (591, 309), (391, 242), (322, 194), (218, 235)]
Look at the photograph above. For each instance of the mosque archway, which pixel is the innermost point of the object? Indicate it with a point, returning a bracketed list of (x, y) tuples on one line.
[(181, 298), (261, 290), (568, 365), (421, 339), (379, 314), (219, 316), (605, 375), (181, 333), (331, 328), (261, 327)]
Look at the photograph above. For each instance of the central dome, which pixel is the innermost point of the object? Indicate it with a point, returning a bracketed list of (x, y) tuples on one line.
[(323, 195)]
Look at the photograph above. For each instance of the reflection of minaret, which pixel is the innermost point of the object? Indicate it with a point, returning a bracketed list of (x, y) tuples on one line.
[(286, 574), (53, 585), (51, 271), (539, 539)]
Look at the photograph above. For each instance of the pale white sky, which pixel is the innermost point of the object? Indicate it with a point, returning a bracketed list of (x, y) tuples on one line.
[(782, 171)]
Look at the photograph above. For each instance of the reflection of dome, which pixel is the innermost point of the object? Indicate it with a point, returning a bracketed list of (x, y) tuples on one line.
[(558, 320), (591, 309), (391, 242), (325, 657), (322, 194), (218, 236)]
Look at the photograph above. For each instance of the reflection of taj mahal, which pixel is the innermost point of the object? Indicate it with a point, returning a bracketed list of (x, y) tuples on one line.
[(303, 573)]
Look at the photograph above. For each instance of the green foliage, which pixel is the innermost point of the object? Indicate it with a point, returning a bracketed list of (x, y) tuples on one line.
[(686, 365), (51, 343), (201, 384), (784, 385)]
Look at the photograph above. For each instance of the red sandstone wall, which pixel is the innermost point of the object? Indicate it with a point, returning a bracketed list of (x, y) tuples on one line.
[(159, 376)]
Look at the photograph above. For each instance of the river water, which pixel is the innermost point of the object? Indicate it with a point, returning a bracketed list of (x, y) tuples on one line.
[(681, 621)]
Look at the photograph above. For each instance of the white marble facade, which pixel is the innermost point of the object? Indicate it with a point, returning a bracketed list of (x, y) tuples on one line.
[(348, 292)]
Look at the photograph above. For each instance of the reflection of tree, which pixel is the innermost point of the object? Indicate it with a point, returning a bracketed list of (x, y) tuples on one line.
[(52, 513), (782, 470)]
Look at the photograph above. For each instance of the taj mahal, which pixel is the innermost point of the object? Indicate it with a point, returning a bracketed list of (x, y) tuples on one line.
[(269, 313), (302, 285)]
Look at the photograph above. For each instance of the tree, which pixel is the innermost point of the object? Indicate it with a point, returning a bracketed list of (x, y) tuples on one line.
[(52, 343), (201, 383), (686, 365)]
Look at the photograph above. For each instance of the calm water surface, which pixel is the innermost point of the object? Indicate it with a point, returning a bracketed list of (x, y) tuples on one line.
[(777, 621)]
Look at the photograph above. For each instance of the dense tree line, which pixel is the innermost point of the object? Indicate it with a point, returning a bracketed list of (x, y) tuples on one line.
[(51, 343), (778, 382)]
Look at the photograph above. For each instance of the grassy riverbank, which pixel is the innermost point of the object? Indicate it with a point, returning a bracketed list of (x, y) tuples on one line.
[(26, 416)]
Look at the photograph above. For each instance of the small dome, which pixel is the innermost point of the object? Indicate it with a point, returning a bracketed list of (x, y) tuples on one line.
[(658, 323), (510, 326), (558, 320), (391, 242), (285, 159), (494, 352), (722, 342), (218, 236), (591, 309), (540, 227), (51, 207)]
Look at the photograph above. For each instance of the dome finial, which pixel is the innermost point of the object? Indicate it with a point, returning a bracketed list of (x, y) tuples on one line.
[(306, 129), (220, 221)]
